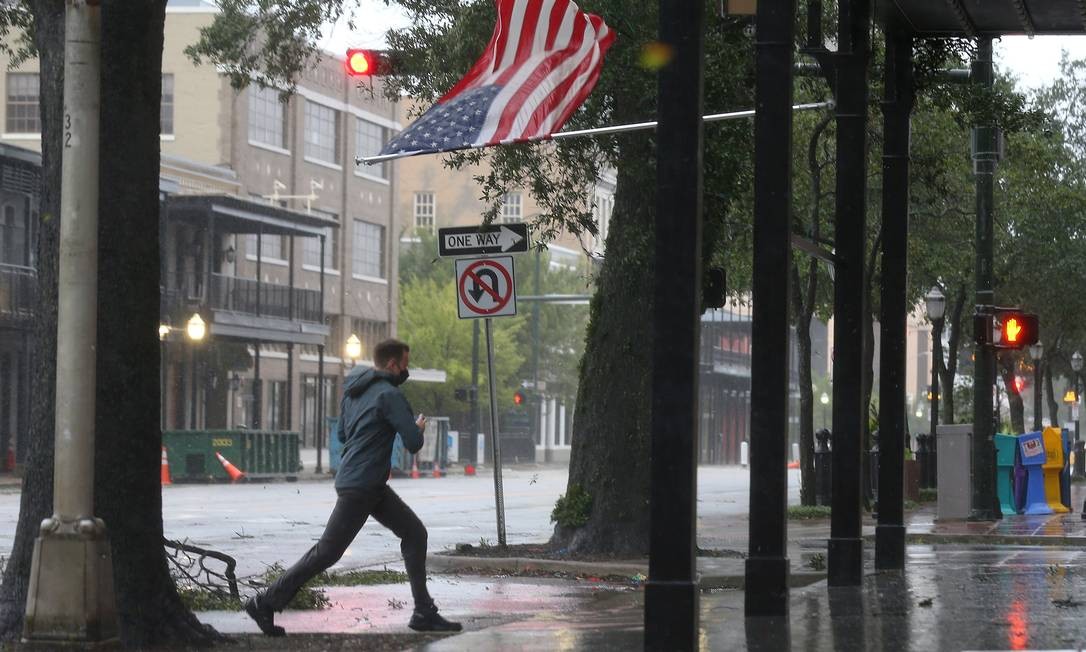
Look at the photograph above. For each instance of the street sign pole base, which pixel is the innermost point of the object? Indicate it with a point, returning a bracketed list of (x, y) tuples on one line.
[(70, 600)]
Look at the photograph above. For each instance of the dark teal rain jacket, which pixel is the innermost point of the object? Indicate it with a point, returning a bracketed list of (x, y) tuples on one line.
[(372, 412)]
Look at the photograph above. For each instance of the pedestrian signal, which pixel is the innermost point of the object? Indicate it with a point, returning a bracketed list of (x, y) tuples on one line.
[(1007, 328)]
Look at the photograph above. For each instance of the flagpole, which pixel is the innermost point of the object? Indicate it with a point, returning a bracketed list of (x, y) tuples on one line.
[(598, 131)]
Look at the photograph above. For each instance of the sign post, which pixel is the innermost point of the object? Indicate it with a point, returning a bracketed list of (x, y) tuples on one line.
[(486, 288)]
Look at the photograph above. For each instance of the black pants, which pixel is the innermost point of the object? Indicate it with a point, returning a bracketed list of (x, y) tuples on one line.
[(352, 509)]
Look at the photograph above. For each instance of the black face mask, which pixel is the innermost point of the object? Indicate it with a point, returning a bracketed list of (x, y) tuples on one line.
[(400, 378)]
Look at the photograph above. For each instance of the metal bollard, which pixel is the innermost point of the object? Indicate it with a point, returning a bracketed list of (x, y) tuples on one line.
[(823, 462), (922, 460), (933, 461)]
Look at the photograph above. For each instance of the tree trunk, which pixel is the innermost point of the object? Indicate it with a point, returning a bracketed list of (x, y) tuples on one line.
[(948, 369), (1015, 407), (36, 500), (1053, 405), (610, 448), (128, 496), (806, 403)]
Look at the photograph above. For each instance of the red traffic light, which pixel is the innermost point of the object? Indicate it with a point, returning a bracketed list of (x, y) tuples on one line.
[(366, 63), (518, 397)]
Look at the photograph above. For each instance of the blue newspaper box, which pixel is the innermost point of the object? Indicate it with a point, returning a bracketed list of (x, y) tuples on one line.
[(1032, 451)]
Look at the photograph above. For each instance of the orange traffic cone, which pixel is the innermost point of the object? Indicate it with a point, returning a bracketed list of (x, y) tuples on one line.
[(793, 465), (414, 467), (437, 470), (469, 470), (231, 470), (165, 468)]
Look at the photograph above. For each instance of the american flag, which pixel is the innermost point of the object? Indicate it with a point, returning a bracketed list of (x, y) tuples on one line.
[(542, 62)]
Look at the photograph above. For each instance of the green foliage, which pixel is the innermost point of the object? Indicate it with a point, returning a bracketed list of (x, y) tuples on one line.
[(309, 597), (808, 512), (198, 598), (361, 578), (928, 495), (573, 508), (16, 32), (270, 41)]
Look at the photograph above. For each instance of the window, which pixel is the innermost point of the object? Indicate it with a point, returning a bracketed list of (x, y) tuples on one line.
[(311, 247), (13, 241), (321, 133), (369, 139), (370, 332), (511, 208), (22, 105), (267, 117), (271, 246), (277, 406), (424, 211), (166, 112), (369, 250)]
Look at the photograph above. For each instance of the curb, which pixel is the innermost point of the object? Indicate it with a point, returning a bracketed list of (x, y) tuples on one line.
[(453, 563), (994, 540)]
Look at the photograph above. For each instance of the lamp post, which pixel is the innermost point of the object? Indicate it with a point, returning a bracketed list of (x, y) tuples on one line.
[(1076, 366), (1036, 351), (195, 329), (824, 400), (163, 333), (936, 305), (353, 349)]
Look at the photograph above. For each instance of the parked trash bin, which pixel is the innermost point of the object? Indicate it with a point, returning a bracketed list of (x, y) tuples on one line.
[(953, 477), (1006, 446)]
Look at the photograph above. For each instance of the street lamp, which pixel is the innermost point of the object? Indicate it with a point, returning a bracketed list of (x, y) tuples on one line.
[(1035, 352), (195, 329), (936, 305), (824, 400), (353, 349)]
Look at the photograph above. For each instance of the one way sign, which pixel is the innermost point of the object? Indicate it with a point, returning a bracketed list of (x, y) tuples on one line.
[(483, 240)]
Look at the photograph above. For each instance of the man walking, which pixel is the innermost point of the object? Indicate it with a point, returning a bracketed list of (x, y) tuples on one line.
[(372, 412)]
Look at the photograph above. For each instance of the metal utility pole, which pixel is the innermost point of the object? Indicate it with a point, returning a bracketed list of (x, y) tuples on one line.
[(845, 549), (474, 394), (71, 596), (671, 594), (985, 155), (767, 562), (499, 493), (896, 109)]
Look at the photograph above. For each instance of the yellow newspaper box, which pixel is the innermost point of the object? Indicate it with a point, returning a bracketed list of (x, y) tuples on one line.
[(1052, 468)]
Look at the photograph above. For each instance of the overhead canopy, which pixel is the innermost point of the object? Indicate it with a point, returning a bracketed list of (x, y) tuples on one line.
[(238, 215), (988, 17)]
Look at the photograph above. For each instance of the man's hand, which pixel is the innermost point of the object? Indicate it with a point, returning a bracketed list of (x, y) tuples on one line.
[(421, 422)]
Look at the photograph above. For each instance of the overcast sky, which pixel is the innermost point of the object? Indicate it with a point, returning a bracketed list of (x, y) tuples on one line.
[(1034, 61)]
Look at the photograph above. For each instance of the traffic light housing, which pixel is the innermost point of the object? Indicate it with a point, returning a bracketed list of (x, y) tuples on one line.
[(519, 397), (1006, 328), (367, 63)]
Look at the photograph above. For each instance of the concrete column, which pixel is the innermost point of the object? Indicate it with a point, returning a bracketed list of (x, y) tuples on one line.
[(552, 412), (70, 597), (562, 425)]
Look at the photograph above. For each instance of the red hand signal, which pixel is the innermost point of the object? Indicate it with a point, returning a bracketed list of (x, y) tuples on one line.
[(1012, 329)]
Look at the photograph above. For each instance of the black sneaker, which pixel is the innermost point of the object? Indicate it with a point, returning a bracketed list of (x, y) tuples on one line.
[(431, 621), (264, 617)]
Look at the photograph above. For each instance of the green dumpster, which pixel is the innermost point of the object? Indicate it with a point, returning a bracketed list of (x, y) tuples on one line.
[(1005, 448), (192, 457)]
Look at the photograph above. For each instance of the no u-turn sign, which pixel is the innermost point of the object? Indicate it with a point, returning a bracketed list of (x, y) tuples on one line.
[(485, 287)]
